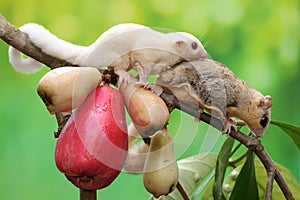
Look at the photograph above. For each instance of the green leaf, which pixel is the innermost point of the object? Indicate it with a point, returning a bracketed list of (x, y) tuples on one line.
[(246, 185), (261, 177), (192, 170), (292, 130), (207, 192), (221, 166)]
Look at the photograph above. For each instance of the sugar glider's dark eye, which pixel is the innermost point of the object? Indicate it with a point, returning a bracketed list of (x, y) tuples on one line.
[(194, 45), (264, 121)]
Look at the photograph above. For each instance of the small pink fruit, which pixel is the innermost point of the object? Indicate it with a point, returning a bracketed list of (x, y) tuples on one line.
[(65, 88), (92, 146), (148, 111)]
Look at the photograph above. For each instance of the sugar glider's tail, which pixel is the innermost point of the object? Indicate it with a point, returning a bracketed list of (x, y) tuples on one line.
[(48, 43), (20, 64)]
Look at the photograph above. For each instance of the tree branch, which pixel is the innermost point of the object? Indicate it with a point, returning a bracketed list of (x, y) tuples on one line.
[(20, 41), (61, 119), (251, 143), (269, 187), (181, 190)]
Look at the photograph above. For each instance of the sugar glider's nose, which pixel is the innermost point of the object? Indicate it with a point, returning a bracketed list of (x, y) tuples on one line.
[(258, 133), (203, 54)]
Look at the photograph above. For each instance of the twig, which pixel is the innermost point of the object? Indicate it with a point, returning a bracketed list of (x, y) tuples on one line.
[(20, 41), (181, 190), (251, 143), (61, 119), (88, 194), (255, 145), (269, 187)]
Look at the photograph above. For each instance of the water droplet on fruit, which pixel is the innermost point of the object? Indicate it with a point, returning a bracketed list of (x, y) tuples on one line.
[(105, 128), (101, 108), (104, 107)]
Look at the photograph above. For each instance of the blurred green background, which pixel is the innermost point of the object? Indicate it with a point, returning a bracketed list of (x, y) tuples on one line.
[(258, 40)]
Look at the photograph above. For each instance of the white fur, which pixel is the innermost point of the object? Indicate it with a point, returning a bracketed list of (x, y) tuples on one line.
[(49, 44), (121, 48), (126, 46), (20, 64)]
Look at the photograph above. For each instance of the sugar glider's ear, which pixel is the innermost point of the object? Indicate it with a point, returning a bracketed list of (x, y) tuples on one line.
[(265, 102), (179, 43)]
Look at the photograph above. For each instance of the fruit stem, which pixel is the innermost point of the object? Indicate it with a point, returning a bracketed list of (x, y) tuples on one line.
[(181, 190), (88, 194)]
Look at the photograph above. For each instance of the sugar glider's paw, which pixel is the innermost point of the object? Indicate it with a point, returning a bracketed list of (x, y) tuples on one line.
[(156, 89), (229, 125), (124, 78), (197, 119), (240, 123)]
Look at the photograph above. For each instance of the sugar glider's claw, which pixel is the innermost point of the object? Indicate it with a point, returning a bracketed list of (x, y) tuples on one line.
[(197, 119), (240, 123), (145, 85), (124, 79), (156, 89), (230, 125)]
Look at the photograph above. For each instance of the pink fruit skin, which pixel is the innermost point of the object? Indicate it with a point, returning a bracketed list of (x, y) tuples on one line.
[(92, 146)]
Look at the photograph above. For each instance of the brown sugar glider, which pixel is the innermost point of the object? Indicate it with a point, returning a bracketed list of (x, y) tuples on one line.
[(209, 85)]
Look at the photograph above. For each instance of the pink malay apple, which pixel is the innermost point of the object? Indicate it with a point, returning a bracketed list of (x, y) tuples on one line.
[(148, 111), (92, 146)]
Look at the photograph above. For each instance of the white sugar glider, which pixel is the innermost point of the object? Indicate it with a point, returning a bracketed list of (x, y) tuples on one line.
[(121, 48)]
